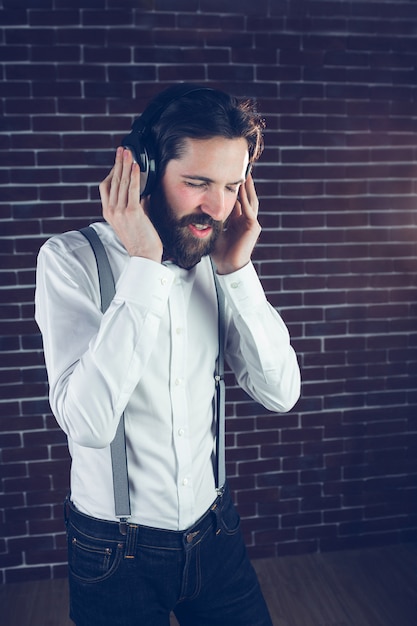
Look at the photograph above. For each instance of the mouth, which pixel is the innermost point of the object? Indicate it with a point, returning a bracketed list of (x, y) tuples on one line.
[(201, 231)]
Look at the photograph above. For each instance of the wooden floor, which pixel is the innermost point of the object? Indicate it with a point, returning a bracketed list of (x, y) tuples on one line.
[(374, 587)]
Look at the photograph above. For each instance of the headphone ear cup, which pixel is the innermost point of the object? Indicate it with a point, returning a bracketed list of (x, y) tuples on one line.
[(146, 161), (148, 176)]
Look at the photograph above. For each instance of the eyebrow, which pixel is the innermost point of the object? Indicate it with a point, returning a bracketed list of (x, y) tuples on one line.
[(205, 179)]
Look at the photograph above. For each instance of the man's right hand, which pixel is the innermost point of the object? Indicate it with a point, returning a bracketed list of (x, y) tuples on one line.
[(126, 212)]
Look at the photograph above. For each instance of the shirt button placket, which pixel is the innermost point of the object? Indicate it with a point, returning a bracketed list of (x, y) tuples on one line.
[(179, 400)]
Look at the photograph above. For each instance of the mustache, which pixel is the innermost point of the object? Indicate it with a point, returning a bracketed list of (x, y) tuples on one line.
[(202, 218)]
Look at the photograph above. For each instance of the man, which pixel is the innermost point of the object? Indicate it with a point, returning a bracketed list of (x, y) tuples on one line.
[(152, 357)]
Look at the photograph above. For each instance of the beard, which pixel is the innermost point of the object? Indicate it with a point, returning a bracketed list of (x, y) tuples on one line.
[(180, 245)]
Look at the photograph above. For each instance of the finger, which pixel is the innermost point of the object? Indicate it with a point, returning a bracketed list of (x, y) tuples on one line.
[(251, 191), (114, 177), (243, 198), (118, 163), (249, 184), (134, 185), (106, 184), (124, 183), (249, 197)]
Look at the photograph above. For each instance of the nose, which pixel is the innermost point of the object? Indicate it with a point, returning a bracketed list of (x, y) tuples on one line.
[(214, 204)]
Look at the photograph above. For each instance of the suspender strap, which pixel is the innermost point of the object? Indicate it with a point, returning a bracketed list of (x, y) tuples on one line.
[(220, 399), (105, 275), (118, 445)]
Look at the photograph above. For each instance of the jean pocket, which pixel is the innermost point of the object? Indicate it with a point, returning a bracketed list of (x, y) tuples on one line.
[(91, 559), (230, 519)]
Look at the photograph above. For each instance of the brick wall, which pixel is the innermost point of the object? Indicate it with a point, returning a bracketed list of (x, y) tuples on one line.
[(336, 81)]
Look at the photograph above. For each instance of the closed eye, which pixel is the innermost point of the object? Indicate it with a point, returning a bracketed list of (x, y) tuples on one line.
[(195, 185), (201, 183)]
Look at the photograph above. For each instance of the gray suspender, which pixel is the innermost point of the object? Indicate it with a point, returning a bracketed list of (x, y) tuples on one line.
[(220, 399), (118, 445)]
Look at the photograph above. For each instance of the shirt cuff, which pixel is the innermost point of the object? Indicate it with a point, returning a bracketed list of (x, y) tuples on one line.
[(146, 283), (243, 289)]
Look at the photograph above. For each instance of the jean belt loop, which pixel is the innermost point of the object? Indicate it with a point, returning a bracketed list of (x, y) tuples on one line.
[(215, 509), (66, 510), (130, 531)]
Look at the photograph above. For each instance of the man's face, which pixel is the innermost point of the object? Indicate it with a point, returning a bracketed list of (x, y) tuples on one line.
[(196, 196)]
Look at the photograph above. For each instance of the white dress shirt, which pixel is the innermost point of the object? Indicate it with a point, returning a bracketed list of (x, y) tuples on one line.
[(152, 356)]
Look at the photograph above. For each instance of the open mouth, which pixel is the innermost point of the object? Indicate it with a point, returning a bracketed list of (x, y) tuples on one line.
[(200, 230)]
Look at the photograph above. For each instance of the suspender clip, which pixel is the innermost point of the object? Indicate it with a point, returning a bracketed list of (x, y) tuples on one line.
[(123, 526)]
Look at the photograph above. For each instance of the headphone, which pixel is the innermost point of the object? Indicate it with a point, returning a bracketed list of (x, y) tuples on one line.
[(139, 140)]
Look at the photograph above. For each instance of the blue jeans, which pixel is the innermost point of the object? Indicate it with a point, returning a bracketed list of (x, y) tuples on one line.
[(135, 575)]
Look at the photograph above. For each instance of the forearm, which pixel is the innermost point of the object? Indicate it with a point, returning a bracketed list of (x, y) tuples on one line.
[(259, 349), (265, 363)]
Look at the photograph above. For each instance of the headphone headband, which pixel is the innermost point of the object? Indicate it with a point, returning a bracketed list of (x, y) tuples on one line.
[(157, 106)]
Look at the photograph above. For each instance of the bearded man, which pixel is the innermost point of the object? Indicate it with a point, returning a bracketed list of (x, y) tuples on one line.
[(180, 224)]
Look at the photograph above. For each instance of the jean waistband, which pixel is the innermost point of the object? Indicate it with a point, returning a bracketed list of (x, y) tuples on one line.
[(145, 535)]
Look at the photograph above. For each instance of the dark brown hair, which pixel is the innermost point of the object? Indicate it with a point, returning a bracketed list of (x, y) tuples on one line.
[(203, 114)]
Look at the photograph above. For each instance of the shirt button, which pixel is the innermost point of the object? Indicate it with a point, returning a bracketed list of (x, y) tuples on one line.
[(178, 330), (235, 285), (181, 431), (185, 482), (164, 281), (178, 382)]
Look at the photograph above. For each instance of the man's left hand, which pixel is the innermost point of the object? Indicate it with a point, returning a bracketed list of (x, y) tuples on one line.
[(234, 247)]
